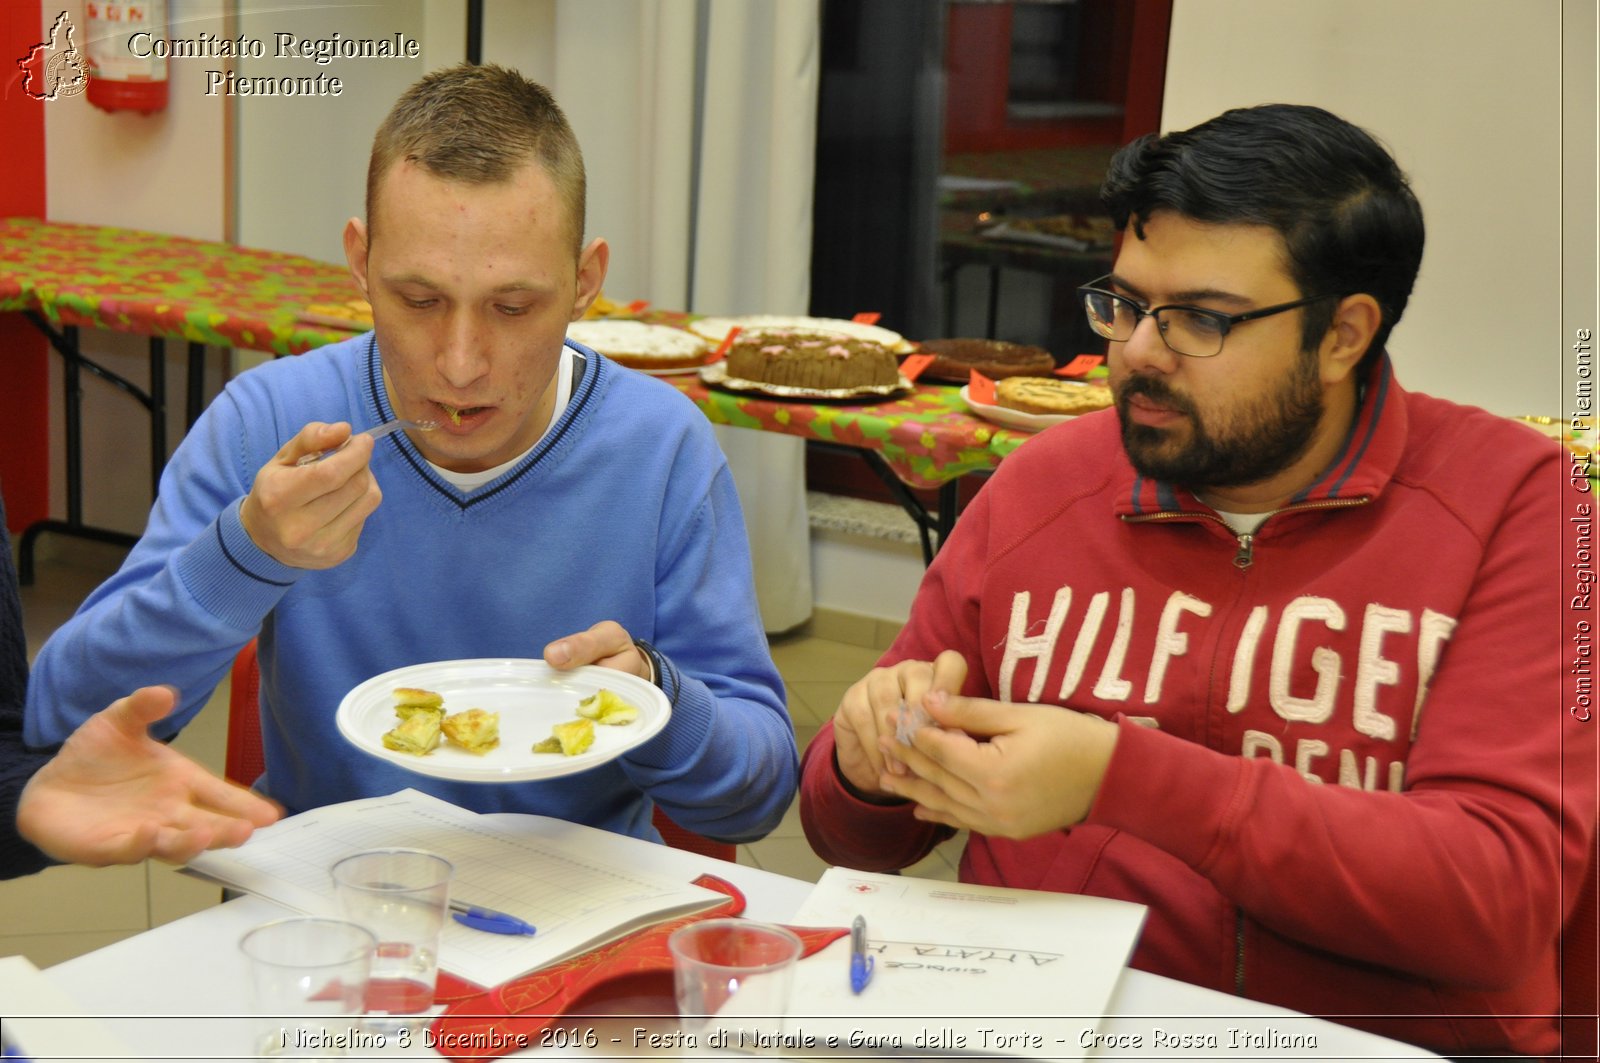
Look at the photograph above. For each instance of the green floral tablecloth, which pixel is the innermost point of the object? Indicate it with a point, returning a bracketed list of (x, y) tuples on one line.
[(154, 284), (174, 287), (927, 437)]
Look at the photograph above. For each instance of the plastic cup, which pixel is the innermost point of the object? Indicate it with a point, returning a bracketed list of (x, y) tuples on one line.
[(401, 896), (306, 975), (732, 979)]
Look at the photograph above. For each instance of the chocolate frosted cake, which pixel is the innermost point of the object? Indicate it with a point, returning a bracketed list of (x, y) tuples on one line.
[(797, 359), (955, 359)]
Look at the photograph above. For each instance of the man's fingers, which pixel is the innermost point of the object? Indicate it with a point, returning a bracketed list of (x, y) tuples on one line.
[(856, 731), (606, 643), (179, 845), (134, 714), (975, 716), (312, 516), (233, 801), (941, 766), (314, 438), (949, 672)]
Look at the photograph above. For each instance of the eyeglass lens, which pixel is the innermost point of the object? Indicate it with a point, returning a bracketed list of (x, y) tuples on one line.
[(1189, 332)]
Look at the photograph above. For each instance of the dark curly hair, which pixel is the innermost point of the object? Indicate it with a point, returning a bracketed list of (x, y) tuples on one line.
[(1345, 210)]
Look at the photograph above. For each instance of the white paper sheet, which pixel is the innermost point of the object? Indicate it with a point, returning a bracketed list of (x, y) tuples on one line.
[(959, 968), (43, 1022)]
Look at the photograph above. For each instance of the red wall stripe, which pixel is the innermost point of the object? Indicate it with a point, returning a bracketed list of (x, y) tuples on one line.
[(24, 356)]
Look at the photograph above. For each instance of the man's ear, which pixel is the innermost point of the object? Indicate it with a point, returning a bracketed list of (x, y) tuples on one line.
[(355, 252), (1355, 322), (592, 264)]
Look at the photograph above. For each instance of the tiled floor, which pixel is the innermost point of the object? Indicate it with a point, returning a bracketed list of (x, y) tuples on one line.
[(67, 911)]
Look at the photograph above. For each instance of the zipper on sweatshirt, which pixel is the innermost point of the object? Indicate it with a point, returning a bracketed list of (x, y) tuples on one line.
[(1245, 551)]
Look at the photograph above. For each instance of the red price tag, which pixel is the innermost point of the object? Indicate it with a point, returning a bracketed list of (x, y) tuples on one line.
[(867, 317), (1080, 365), (913, 366), (980, 389), (727, 344), (637, 306)]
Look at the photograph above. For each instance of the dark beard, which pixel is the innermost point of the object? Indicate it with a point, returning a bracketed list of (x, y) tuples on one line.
[(1271, 433)]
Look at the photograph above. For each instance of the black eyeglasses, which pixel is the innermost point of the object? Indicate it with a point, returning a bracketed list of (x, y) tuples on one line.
[(1191, 331)]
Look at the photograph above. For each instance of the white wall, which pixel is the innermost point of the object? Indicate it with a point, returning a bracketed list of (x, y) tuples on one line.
[(302, 161), (1467, 94), (607, 103), (162, 172)]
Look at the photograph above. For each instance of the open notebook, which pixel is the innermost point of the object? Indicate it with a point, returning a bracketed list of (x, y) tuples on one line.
[(577, 884)]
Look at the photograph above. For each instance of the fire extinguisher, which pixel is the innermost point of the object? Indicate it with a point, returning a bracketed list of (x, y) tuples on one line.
[(127, 54)]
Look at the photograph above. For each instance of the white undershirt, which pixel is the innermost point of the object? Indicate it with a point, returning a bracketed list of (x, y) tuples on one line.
[(1243, 523), (467, 482)]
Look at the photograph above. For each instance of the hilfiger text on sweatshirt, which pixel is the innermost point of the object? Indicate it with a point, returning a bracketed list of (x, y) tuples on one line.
[(1361, 672)]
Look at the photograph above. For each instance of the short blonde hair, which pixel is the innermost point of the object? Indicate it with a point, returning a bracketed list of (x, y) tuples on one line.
[(479, 124)]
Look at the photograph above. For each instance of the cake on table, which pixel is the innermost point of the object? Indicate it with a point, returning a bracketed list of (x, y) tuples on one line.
[(817, 360), (955, 359), (1051, 396), (715, 329), (639, 345)]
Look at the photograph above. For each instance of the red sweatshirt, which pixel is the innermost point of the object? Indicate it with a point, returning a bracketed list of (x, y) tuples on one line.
[(1345, 781)]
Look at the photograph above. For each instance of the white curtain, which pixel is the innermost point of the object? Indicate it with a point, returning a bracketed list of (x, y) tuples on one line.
[(698, 125)]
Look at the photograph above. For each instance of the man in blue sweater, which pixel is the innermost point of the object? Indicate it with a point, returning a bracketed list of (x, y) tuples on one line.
[(564, 505)]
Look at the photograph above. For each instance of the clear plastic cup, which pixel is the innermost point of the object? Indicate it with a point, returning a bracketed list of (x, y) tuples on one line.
[(733, 977), (309, 985), (402, 896)]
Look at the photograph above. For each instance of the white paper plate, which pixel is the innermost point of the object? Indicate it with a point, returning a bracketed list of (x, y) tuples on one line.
[(530, 696), (1006, 417)]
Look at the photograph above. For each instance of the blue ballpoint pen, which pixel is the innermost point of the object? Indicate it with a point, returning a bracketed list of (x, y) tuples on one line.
[(860, 963), (488, 920)]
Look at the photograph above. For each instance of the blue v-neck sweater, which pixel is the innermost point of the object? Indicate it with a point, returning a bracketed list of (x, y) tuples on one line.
[(625, 511)]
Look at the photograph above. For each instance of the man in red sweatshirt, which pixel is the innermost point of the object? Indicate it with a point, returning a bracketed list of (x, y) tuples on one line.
[(1276, 648)]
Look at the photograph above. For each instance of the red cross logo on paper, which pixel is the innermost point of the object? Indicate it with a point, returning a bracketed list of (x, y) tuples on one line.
[(54, 68), (863, 887)]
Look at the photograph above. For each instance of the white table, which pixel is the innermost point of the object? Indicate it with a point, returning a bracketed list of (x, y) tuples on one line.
[(176, 992)]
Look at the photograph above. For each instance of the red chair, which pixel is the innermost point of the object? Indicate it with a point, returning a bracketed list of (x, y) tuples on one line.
[(244, 759)]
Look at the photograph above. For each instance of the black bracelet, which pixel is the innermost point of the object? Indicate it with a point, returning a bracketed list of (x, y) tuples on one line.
[(662, 668)]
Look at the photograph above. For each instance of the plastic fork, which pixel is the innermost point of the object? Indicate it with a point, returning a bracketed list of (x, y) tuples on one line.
[(398, 424)]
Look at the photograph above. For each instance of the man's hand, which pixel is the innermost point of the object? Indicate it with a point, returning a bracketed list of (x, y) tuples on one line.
[(863, 726), (310, 516), (1038, 771), (606, 644), (114, 795)]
